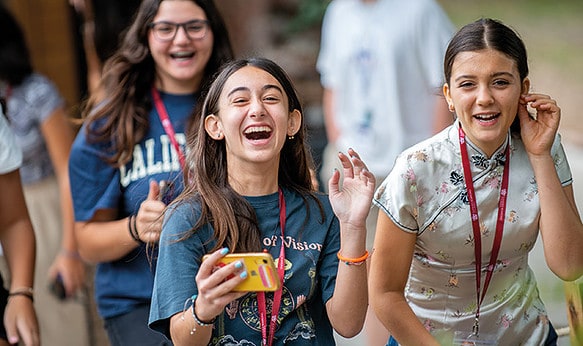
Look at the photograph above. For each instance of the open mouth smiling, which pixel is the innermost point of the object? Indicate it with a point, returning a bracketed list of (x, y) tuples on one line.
[(487, 117), (182, 55), (257, 133)]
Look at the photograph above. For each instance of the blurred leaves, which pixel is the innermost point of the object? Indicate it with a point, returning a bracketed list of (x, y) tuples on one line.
[(310, 14)]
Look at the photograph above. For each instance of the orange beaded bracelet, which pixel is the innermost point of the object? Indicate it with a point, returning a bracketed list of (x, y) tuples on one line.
[(353, 261)]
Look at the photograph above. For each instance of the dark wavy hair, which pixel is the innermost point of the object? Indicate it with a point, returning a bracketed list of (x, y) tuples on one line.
[(120, 117), (15, 63), (232, 217), (487, 33)]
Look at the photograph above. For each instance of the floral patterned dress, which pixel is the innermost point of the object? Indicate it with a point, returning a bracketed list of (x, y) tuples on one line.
[(425, 194)]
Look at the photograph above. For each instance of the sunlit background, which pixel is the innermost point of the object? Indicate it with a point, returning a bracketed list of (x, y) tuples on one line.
[(288, 31)]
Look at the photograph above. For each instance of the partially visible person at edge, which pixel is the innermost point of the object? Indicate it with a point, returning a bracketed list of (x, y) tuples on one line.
[(126, 162), (380, 65), (18, 321), (462, 210), (251, 190), (103, 23), (42, 129)]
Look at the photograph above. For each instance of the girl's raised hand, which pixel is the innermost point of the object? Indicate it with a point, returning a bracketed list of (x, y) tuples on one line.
[(351, 202)]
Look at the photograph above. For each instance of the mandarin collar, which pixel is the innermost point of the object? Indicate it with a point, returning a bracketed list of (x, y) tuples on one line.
[(478, 158)]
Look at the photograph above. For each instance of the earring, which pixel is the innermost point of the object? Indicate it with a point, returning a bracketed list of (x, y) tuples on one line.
[(220, 135), (290, 137)]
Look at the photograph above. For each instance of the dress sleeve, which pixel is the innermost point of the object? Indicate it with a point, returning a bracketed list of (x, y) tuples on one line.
[(44, 96), (10, 153), (561, 162), (397, 195)]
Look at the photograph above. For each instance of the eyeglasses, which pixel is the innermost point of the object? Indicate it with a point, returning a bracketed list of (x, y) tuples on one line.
[(166, 31)]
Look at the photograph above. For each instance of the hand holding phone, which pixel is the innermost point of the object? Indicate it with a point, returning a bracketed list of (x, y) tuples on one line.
[(261, 271), (57, 288)]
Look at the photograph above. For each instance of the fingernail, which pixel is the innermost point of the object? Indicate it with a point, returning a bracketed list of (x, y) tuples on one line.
[(238, 264), (224, 251), (243, 275)]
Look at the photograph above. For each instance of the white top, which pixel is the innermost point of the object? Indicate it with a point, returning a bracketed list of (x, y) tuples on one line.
[(384, 61), (425, 194), (10, 153)]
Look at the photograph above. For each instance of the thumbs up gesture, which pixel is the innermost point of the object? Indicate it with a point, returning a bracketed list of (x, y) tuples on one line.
[(150, 215)]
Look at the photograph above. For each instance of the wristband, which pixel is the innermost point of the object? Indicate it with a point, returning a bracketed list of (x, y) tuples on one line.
[(133, 229), (25, 292), (70, 254), (197, 321), (353, 261)]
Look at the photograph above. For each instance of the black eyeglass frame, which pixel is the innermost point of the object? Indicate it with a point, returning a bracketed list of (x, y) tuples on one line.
[(176, 26)]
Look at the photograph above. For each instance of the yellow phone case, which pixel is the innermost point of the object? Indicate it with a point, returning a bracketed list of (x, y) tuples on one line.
[(261, 271)]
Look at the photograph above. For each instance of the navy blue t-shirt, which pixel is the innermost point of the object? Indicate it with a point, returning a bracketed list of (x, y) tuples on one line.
[(122, 285), (311, 244)]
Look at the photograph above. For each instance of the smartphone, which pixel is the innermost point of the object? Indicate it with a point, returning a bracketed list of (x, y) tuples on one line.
[(261, 271), (164, 190), (57, 288)]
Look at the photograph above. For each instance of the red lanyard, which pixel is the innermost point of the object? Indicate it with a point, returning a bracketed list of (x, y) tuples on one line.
[(167, 124), (4, 99), (476, 223), (261, 303), (7, 92)]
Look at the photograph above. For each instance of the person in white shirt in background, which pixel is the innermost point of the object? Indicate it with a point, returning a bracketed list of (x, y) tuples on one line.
[(380, 64)]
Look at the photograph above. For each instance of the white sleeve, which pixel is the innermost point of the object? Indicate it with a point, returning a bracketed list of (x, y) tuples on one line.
[(10, 153)]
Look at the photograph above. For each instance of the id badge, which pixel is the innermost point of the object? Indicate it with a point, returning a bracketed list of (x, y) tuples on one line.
[(468, 338)]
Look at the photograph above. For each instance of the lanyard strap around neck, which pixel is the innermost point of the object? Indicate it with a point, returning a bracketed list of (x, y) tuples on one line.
[(7, 92), (261, 302), (167, 124), (476, 223)]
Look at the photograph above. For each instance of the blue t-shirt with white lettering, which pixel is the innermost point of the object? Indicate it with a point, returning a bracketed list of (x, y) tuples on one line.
[(311, 244), (122, 285)]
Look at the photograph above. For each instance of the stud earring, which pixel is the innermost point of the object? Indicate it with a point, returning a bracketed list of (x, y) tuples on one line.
[(290, 137)]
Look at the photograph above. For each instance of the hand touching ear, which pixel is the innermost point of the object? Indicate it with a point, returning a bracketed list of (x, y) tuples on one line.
[(538, 134)]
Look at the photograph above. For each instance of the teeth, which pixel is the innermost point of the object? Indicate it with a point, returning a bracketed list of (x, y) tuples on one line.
[(486, 116), (257, 129), (182, 54)]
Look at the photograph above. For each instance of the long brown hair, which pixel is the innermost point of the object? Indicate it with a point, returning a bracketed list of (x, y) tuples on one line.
[(120, 116), (232, 217)]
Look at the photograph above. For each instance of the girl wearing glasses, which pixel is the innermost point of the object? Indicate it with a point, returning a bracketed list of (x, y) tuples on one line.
[(127, 160)]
